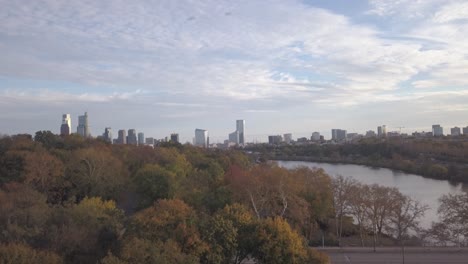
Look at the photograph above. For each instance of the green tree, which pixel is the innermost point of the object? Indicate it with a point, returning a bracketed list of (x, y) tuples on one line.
[(152, 183)]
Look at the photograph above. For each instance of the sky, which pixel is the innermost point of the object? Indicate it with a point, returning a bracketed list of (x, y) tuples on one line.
[(286, 66)]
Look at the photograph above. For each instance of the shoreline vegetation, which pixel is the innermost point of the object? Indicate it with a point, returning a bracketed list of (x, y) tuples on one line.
[(438, 158), (80, 200)]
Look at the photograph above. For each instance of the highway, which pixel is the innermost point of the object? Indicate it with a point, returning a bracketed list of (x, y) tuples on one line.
[(393, 255)]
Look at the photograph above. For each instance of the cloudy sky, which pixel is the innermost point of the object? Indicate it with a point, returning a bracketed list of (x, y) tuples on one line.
[(163, 66)]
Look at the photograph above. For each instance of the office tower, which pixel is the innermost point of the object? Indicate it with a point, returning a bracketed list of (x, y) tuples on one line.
[(338, 134), (122, 138), (132, 137), (240, 127), (141, 139), (382, 131), (201, 138), (437, 130), (83, 127), (107, 136), (65, 128), (175, 137), (287, 138), (234, 137), (315, 136), (455, 131)]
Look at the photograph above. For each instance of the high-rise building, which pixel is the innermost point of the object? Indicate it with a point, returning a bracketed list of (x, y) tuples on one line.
[(132, 137), (122, 138), (141, 139), (175, 138), (338, 134), (287, 138), (455, 131), (201, 138), (437, 130), (83, 127), (382, 131), (240, 127), (65, 128), (315, 136), (107, 136)]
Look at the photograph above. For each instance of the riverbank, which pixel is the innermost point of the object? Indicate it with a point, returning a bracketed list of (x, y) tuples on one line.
[(434, 171)]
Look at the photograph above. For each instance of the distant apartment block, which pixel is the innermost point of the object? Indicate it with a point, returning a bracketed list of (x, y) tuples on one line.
[(455, 131), (274, 140), (234, 137), (175, 138), (465, 130), (338, 134), (315, 136), (287, 138), (437, 130), (370, 133), (149, 141)]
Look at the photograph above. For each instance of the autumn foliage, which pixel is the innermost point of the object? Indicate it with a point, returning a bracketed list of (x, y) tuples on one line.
[(75, 200)]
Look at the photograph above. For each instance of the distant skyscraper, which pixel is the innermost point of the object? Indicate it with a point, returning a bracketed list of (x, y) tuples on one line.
[(382, 131), (132, 137), (65, 128), (141, 139), (455, 131), (175, 137), (240, 127), (83, 127), (201, 138), (122, 139), (107, 136), (437, 130), (338, 134)]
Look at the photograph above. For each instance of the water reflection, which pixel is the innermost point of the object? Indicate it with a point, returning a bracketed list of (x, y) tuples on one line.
[(423, 189)]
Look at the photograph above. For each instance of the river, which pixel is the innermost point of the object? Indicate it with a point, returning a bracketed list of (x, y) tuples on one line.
[(423, 189)]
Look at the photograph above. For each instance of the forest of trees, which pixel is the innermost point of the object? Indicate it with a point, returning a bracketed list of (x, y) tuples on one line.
[(439, 158), (75, 200)]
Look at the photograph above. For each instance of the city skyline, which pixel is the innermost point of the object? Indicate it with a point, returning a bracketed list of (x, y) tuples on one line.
[(285, 66)]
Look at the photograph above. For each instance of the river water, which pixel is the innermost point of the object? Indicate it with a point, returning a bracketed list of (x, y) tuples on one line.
[(423, 189)]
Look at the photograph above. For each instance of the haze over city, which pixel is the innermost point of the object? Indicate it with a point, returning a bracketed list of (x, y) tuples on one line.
[(283, 66)]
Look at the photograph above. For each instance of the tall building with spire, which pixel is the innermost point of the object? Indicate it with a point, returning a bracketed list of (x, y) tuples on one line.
[(83, 127), (65, 128)]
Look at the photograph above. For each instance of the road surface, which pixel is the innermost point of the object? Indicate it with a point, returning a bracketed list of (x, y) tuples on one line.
[(393, 255)]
